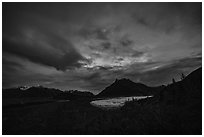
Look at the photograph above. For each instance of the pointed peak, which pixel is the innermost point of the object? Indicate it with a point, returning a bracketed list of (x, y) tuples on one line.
[(123, 80)]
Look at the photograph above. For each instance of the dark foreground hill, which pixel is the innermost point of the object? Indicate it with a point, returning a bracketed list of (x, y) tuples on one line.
[(177, 110), (126, 87), (186, 91), (181, 104)]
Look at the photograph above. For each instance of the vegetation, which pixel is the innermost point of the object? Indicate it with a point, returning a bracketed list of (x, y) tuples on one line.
[(176, 110), (80, 118)]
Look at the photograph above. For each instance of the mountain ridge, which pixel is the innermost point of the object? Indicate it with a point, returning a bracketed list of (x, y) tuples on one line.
[(126, 87), (119, 88)]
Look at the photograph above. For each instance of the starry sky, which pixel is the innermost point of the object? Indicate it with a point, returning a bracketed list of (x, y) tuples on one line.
[(86, 46)]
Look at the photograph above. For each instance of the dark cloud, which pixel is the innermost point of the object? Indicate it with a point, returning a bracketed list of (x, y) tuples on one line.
[(38, 54), (187, 63), (165, 73), (28, 35), (141, 20), (93, 81), (96, 84), (9, 65), (120, 59), (168, 16), (101, 34), (106, 45), (91, 77), (98, 33), (137, 53), (126, 42)]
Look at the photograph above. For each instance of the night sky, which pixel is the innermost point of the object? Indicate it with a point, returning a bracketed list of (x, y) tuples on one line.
[(86, 46)]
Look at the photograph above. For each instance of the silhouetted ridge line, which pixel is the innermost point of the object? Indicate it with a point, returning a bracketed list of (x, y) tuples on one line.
[(186, 91), (126, 87), (40, 91)]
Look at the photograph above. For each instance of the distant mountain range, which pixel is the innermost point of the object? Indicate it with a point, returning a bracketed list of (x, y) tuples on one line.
[(40, 91), (189, 86)]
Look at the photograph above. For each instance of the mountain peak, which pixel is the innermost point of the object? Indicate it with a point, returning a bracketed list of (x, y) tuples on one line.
[(122, 80), (125, 87)]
